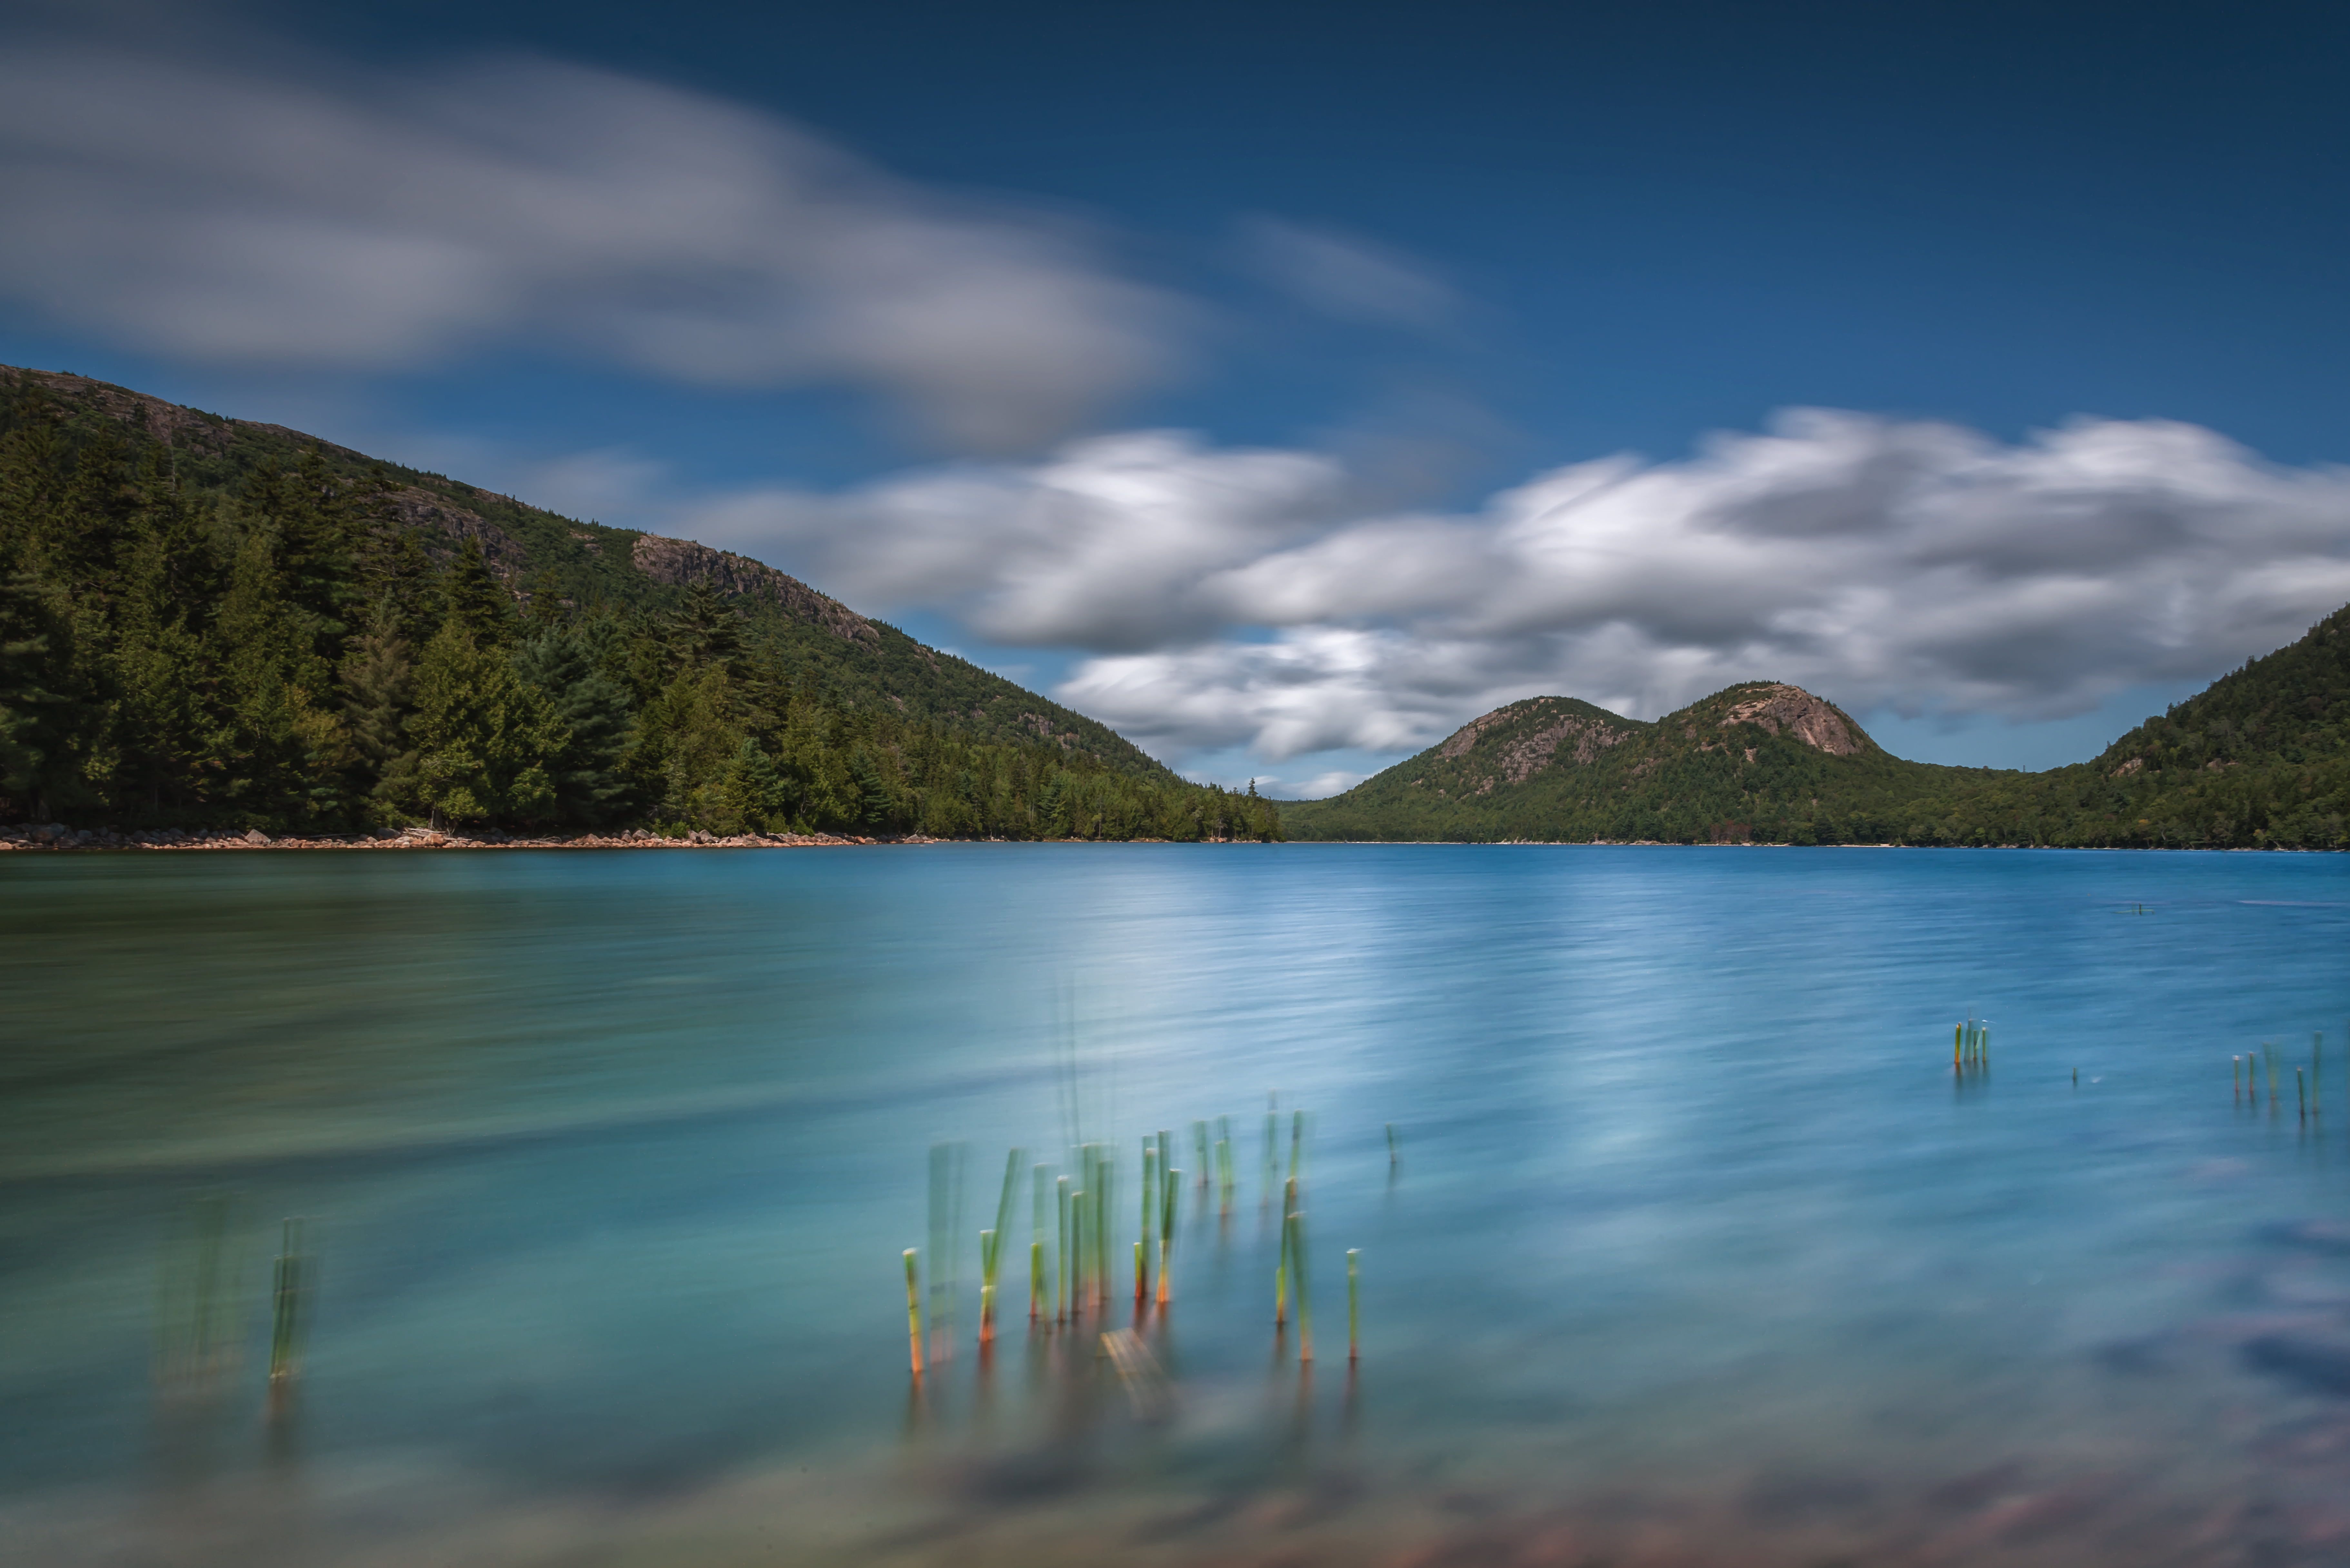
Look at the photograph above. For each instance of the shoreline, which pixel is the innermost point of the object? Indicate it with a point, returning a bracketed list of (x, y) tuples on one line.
[(53, 838)]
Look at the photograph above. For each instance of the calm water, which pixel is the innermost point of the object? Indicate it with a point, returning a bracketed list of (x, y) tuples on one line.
[(1696, 1253)]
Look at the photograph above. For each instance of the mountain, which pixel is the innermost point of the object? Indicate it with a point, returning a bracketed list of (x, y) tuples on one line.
[(534, 551), (211, 622), (1756, 762), (2259, 759)]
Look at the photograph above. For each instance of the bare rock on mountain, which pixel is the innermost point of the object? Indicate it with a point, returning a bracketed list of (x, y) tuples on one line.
[(1517, 753), (167, 422), (1468, 734), (430, 514), (683, 563), (1807, 717)]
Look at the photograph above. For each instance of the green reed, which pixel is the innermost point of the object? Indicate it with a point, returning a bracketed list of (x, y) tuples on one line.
[(1224, 1165), (991, 1248), (1143, 1233), (1170, 1189), (1064, 1294), (1353, 1305), (1038, 1219), (286, 1316), (913, 1314)]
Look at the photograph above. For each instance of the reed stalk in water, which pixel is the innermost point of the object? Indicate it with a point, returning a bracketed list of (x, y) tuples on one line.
[(1281, 1279), (1199, 1147), (1281, 1269), (1170, 1187), (1106, 1180), (1039, 1204), (1353, 1306), (286, 1311), (1224, 1165), (991, 1249), (1149, 1206), (1272, 1142), (1297, 1250), (1061, 1260), (913, 1314)]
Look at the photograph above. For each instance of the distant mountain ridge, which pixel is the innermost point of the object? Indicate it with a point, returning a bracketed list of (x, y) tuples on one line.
[(2259, 759)]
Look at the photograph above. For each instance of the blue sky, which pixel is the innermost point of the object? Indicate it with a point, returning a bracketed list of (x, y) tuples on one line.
[(1287, 384)]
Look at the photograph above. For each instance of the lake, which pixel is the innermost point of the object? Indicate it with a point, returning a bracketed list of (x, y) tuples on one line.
[(1692, 1247)]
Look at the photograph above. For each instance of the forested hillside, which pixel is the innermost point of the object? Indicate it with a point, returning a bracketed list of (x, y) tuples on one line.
[(208, 622), (2259, 759)]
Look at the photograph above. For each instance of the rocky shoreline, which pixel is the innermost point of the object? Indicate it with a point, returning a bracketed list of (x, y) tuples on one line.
[(56, 837)]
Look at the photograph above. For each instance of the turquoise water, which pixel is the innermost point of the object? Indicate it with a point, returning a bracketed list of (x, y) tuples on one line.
[(1696, 1251)]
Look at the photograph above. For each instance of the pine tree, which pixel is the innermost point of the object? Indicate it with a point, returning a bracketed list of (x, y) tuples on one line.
[(35, 706), (475, 600), (564, 663), (706, 631), (379, 680), (484, 738)]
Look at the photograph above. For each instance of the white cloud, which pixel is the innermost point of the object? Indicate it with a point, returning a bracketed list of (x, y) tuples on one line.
[(1345, 276), (1228, 599), (1110, 543), (296, 213)]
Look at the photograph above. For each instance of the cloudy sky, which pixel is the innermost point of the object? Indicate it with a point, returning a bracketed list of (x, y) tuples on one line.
[(1286, 390)]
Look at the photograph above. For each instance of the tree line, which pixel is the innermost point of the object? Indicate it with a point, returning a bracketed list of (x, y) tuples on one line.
[(284, 654)]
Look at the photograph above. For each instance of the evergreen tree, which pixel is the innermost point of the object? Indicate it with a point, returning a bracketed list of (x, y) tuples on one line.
[(564, 663), (379, 678), (474, 598), (706, 631), (484, 737), (35, 706)]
